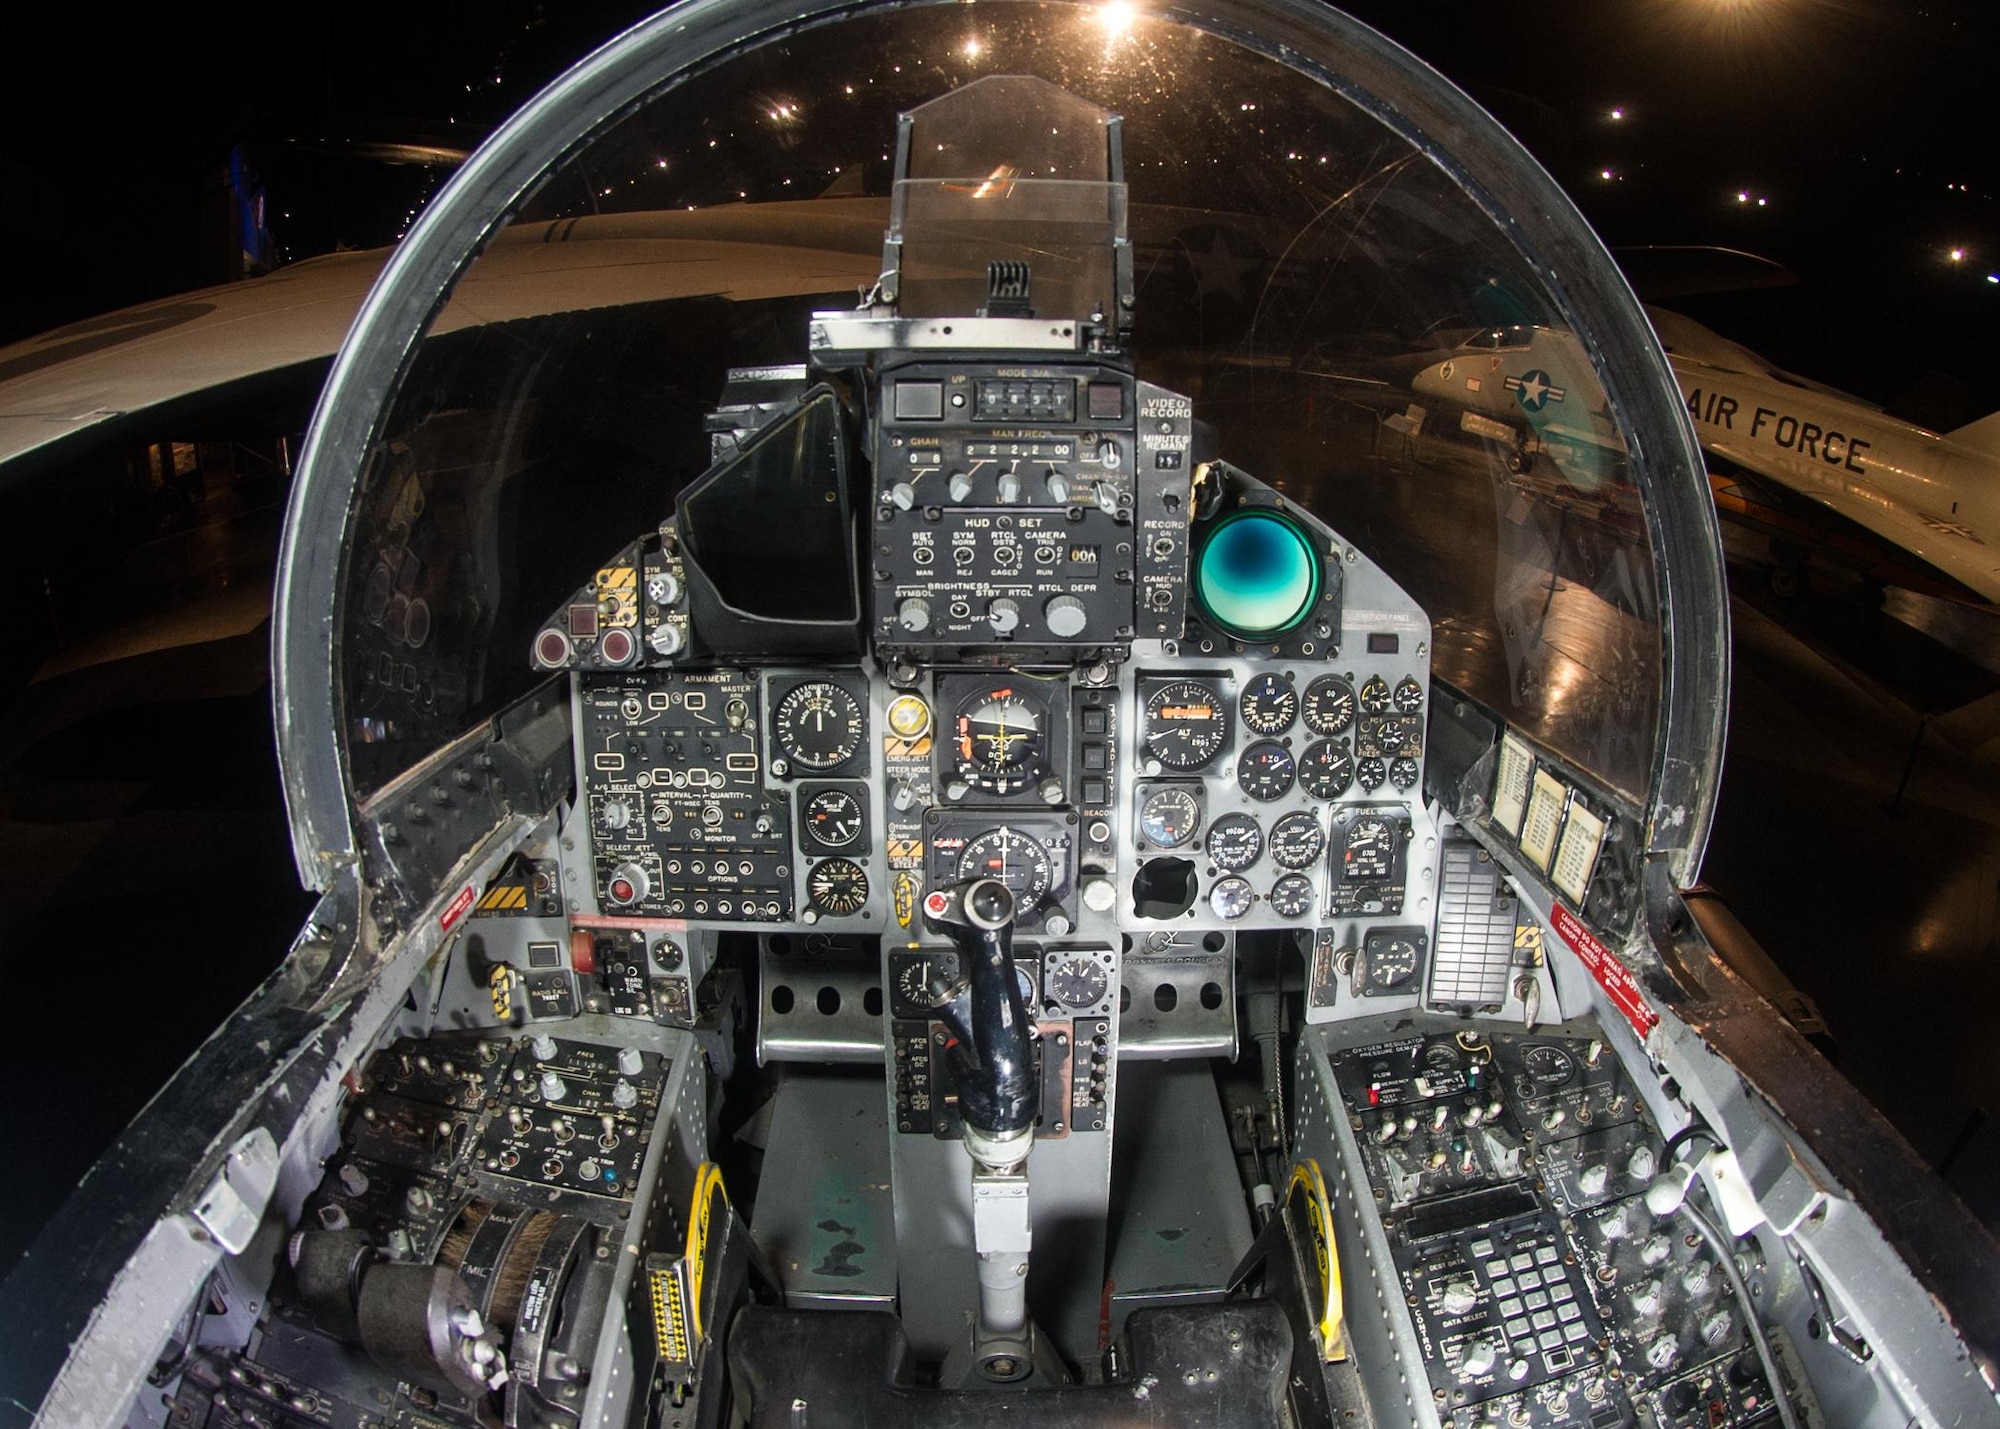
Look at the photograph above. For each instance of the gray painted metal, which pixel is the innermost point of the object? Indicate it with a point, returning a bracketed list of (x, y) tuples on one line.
[(1183, 1218), (824, 1216)]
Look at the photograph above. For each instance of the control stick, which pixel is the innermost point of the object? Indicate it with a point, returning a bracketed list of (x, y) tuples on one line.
[(991, 1059), (990, 1055)]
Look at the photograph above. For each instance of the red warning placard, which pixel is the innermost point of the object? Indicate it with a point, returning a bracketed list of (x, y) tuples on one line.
[(1611, 974)]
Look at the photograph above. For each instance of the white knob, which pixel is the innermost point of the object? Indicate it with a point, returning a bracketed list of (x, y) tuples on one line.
[(1066, 616), (1458, 1297), (666, 639), (624, 1095), (1480, 1357), (1008, 488), (960, 486), (543, 1046), (1003, 615), (1058, 487), (554, 1088), (617, 814), (903, 495), (914, 615), (1593, 1180), (1099, 895)]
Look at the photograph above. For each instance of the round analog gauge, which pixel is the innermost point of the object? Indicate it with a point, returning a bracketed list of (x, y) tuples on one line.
[(1370, 773), (1014, 858), (1375, 695), (1329, 705), (1266, 770), (1326, 770), (1409, 696), (1001, 739), (1231, 898), (1403, 771), (1078, 981), (1296, 841), (1370, 852), (1390, 735), (838, 886), (1187, 724), (1292, 896), (1169, 817), (1441, 1057), (1392, 961), (1269, 704), (1234, 842), (819, 725), (1548, 1066), (833, 818), (914, 978), (909, 717)]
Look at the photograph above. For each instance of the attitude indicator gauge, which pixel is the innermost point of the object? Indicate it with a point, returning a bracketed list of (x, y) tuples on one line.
[(1269, 704), (818, 725), (1000, 739), (1187, 724)]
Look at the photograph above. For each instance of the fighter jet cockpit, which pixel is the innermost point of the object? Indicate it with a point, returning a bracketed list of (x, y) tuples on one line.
[(967, 764)]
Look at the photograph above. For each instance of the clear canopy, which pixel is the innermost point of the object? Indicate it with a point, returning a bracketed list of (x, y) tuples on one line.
[(1381, 305)]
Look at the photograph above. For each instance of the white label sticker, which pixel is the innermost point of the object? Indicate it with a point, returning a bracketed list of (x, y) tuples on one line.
[(1576, 855), (1545, 811), (1510, 784)]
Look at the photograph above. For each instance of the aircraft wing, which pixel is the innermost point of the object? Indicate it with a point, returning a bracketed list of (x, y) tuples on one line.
[(64, 382)]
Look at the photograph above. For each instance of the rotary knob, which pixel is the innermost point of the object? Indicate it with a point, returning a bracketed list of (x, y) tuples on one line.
[(628, 884), (543, 1046), (553, 1087), (959, 485), (1066, 616), (1008, 489), (617, 815), (624, 1095), (1458, 1297), (630, 1062), (1059, 489), (1480, 1357), (666, 639), (1003, 615), (903, 495), (914, 615), (1100, 895)]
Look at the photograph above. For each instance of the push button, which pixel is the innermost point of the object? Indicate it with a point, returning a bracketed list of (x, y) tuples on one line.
[(919, 401)]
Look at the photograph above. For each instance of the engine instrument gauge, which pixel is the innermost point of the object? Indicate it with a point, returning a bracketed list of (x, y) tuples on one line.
[(1187, 724), (1077, 981), (1326, 769), (1403, 771), (1296, 841), (1234, 842), (1291, 896), (833, 818), (818, 725), (1001, 741), (1370, 853), (1231, 898), (838, 886), (1370, 773), (1329, 705), (1169, 817), (1409, 696), (1266, 770), (1393, 959), (1014, 858), (1269, 704), (1547, 1066), (1375, 695)]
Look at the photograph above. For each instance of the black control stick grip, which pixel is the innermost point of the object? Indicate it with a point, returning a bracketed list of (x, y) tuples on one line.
[(990, 1055)]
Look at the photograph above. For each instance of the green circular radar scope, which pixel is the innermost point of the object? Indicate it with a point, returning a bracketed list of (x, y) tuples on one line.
[(1257, 575)]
